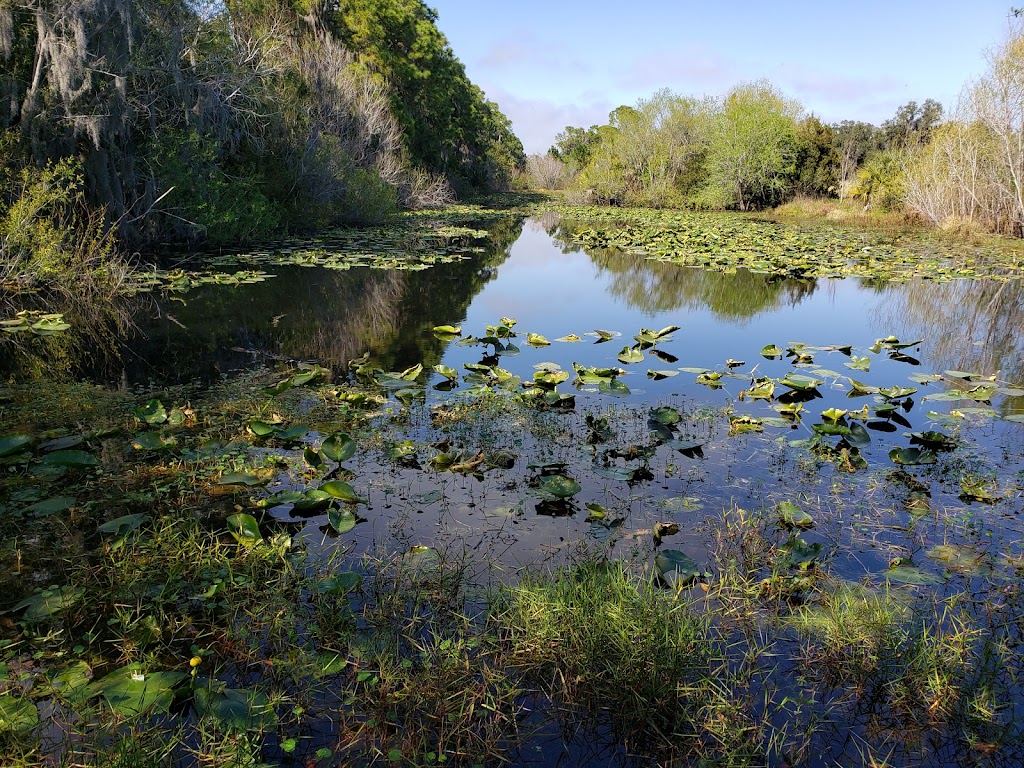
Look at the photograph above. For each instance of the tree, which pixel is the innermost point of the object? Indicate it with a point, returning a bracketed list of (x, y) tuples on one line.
[(753, 150), (575, 146), (817, 160), (911, 126), (853, 141)]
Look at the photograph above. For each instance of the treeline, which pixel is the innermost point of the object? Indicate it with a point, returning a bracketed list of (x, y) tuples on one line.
[(753, 148), (230, 120)]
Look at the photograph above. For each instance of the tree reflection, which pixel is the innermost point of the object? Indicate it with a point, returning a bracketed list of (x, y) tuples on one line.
[(312, 314), (966, 325)]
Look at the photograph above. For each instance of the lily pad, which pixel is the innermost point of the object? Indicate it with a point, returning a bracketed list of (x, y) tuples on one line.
[(119, 526), (339, 448), (70, 459), (245, 529), (342, 520), (791, 516), (235, 710), (912, 456), (11, 444), (131, 691), (559, 486), (153, 412), (17, 715), (48, 602), (677, 568), (342, 490)]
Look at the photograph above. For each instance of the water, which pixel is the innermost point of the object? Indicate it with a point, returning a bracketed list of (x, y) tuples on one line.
[(868, 510), (550, 288)]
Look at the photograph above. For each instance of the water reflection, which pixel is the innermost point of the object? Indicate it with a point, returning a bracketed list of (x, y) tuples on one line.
[(967, 326)]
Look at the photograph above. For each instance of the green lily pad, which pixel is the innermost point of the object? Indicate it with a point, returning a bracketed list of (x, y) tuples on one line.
[(339, 583), (119, 526), (153, 412), (342, 520), (132, 692), (235, 710), (677, 568), (446, 372), (245, 529), (11, 444), (262, 428), (342, 490), (908, 573), (536, 340), (46, 603), (559, 486), (799, 554), (70, 459), (666, 415), (50, 506), (17, 715), (339, 448), (242, 478), (152, 441), (771, 351), (630, 355), (912, 456), (791, 516)]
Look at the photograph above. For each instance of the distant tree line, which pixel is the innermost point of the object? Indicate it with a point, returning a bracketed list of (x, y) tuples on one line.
[(751, 149), (229, 120)]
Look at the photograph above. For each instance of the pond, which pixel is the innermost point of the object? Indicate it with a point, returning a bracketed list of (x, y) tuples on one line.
[(530, 403), (831, 331)]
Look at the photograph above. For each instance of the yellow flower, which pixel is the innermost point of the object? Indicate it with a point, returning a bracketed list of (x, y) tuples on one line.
[(195, 661)]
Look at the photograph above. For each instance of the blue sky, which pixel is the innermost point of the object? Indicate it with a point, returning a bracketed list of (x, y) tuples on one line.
[(552, 64)]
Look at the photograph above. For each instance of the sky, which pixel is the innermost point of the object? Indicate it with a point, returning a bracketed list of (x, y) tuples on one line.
[(552, 64)]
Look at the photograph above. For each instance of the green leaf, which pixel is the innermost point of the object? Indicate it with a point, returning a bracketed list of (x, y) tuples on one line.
[(339, 448), (911, 456), (70, 459), (17, 715), (630, 355), (559, 486), (446, 371), (131, 692), (536, 340), (235, 709), (791, 516), (50, 506), (152, 441), (666, 415), (339, 583), (342, 520), (342, 490), (908, 573), (47, 602), (771, 351), (677, 568), (153, 412), (10, 444), (242, 478), (262, 428), (245, 529), (119, 526)]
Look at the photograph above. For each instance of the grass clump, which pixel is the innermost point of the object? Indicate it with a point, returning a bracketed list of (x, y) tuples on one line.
[(605, 645)]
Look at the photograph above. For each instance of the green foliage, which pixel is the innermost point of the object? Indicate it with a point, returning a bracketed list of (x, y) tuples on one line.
[(817, 163), (880, 180), (48, 234), (753, 148)]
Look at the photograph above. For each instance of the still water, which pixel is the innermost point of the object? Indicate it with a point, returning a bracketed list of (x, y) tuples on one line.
[(554, 289)]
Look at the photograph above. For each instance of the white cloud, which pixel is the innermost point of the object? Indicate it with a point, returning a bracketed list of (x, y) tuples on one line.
[(536, 121)]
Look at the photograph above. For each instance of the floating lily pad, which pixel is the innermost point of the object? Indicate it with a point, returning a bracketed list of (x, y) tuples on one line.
[(666, 415), (912, 456), (50, 506), (791, 516), (153, 412), (339, 583), (677, 568), (907, 573), (131, 691), (245, 529), (339, 448), (17, 715), (48, 602), (342, 490), (559, 486), (235, 710), (342, 520), (119, 526), (153, 441), (630, 355), (12, 444), (70, 459), (536, 340)]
